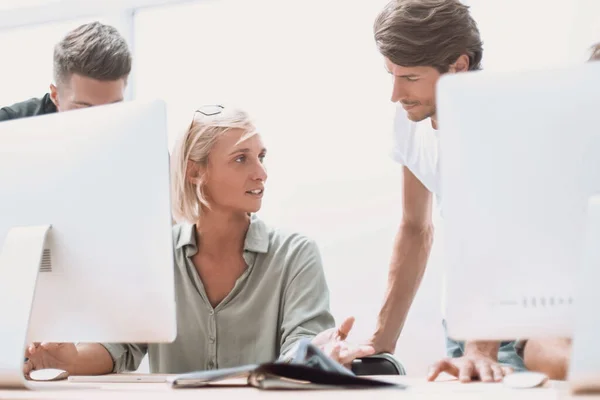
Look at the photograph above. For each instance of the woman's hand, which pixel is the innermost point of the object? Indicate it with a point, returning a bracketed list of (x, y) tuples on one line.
[(50, 355), (333, 343)]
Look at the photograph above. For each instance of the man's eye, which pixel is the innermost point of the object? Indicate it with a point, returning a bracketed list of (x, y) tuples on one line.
[(240, 159)]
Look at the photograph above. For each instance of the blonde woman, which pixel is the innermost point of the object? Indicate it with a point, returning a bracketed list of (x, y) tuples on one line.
[(246, 293)]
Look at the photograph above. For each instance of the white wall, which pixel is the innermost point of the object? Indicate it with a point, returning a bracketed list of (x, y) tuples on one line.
[(532, 34), (28, 73)]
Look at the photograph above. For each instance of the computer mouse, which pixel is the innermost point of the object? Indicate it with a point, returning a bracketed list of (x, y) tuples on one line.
[(525, 380), (48, 374)]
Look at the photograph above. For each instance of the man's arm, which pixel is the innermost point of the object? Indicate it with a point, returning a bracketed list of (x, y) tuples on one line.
[(550, 356), (409, 257)]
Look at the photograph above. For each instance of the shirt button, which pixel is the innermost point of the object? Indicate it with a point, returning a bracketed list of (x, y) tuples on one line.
[(211, 312), (211, 365), (211, 339)]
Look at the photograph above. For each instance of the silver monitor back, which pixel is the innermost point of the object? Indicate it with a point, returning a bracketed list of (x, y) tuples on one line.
[(584, 365), (100, 178), (520, 159)]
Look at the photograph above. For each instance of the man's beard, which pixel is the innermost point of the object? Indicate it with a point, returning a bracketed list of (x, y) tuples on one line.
[(423, 116)]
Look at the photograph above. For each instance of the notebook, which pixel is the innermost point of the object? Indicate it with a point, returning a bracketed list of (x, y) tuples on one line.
[(276, 376), (309, 368)]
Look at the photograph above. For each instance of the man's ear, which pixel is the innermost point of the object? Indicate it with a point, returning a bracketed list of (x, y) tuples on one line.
[(461, 64), (54, 95)]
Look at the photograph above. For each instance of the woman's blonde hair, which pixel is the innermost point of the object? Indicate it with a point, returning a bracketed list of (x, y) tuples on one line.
[(208, 124)]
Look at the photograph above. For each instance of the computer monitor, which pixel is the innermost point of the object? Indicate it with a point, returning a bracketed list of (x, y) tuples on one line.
[(584, 365), (99, 178), (520, 159)]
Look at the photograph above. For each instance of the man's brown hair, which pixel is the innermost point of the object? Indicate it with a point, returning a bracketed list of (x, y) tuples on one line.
[(430, 33), (595, 56), (92, 50)]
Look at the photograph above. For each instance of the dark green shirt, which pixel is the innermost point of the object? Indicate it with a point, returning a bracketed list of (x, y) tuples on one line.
[(28, 108)]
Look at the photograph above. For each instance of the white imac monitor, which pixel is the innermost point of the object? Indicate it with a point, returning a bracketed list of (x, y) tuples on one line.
[(521, 158), (84, 200), (584, 365)]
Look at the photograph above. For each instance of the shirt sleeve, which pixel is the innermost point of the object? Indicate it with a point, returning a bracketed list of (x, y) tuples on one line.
[(402, 136), (126, 357), (5, 115), (306, 298), (520, 347), (417, 147)]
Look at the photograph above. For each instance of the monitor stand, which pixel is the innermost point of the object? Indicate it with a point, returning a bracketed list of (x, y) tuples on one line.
[(20, 259)]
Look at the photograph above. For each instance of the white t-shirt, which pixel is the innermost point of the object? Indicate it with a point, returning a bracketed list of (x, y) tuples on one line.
[(417, 147)]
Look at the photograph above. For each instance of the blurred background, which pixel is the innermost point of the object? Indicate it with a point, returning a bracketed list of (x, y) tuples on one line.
[(311, 76)]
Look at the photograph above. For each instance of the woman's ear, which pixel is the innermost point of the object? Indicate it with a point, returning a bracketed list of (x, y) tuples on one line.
[(194, 172)]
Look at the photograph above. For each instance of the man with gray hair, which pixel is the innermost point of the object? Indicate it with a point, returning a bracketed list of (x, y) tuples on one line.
[(91, 67)]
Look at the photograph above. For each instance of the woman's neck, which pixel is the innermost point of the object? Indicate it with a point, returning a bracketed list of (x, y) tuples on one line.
[(219, 232)]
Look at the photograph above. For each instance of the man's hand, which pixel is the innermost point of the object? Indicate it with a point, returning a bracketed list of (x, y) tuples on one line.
[(333, 343), (467, 368), (50, 355), (480, 361)]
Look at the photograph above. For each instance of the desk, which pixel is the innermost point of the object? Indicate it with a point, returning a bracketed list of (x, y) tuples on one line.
[(418, 389)]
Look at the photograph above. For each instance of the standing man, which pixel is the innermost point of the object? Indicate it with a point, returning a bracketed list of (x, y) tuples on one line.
[(421, 40), (91, 67)]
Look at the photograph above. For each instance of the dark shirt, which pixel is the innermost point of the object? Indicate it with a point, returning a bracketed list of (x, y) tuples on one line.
[(28, 108)]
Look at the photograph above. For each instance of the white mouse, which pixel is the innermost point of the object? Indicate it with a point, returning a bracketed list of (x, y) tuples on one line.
[(48, 374), (525, 380)]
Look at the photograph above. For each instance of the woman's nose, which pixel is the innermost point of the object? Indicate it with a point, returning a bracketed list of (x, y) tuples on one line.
[(260, 174)]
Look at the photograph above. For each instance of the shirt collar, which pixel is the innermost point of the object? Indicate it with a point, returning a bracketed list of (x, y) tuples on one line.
[(257, 237)]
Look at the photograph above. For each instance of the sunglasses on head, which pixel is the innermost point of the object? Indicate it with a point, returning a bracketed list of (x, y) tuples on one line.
[(210, 110)]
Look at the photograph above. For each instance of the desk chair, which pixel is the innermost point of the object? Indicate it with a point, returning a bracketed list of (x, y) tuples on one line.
[(378, 364)]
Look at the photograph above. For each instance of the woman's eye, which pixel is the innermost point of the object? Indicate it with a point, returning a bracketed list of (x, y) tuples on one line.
[(240, 159), (262, 158)]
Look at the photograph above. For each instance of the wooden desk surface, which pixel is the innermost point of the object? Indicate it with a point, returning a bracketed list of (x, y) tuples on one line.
[(418, 389)]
